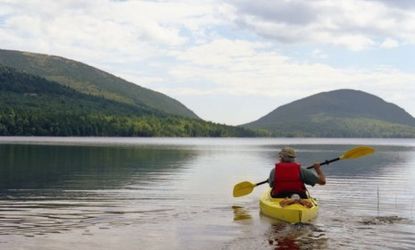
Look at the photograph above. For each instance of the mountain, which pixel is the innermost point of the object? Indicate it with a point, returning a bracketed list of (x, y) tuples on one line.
[(339, 113), (32, 105), (91, 81), (33, 93)]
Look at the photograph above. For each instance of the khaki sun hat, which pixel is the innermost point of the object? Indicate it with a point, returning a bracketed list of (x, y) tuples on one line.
[(287, 152)]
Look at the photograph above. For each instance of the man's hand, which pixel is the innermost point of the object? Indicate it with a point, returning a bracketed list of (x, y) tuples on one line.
[(317, 167)]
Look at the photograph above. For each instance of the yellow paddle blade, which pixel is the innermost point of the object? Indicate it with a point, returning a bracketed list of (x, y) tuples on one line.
[(357, 152), (243, 188)]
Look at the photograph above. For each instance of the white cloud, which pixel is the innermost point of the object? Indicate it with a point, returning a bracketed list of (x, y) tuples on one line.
[(245, 68), (219, 52), (132, 30), (389, 43), (354, 24), (400, 4)]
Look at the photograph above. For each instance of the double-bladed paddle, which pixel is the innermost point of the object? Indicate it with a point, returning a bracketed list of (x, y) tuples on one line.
[(246, 187)]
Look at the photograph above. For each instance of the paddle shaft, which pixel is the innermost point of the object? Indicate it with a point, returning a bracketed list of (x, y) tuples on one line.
[(262, 182), (326, 162)]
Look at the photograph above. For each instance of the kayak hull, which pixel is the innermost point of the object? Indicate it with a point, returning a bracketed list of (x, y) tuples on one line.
[(294, 213)]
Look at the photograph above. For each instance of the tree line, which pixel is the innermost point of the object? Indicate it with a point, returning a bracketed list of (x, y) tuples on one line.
[(34, 123)]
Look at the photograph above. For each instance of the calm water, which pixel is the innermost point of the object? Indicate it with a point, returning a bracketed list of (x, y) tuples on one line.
[(123, 193)]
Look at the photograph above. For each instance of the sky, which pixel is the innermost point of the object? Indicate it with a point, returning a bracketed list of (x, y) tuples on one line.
[(233, 61)]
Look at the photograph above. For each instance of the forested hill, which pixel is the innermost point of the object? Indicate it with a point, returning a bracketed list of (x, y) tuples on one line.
[(339, 113), (31, 105), (91, 81)]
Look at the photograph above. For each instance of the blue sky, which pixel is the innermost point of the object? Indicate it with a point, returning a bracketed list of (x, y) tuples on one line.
[(229, 61)]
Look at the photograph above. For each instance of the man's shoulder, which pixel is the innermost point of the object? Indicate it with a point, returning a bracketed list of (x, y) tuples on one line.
[(306, 171)]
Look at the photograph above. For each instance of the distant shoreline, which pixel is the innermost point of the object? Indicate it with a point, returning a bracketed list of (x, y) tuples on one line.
[(227, 141)]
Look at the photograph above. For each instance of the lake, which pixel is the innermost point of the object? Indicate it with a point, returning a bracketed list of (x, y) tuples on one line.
[(173, 193)]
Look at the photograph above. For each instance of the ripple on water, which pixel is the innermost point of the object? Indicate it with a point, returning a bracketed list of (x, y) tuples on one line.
[(158, 198), (381, 220), (41, 215)]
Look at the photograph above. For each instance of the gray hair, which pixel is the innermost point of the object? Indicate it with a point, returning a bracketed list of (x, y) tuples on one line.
[(287, 159)]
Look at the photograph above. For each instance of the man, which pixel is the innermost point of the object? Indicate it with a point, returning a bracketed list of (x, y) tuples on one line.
[(288, 177)]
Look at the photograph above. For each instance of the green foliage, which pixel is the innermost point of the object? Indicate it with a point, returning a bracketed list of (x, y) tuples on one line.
[(343, 127), (91, 81), (33, 106), (23, 123)]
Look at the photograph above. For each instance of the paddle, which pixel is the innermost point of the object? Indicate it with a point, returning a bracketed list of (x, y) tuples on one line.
[(246, 187)]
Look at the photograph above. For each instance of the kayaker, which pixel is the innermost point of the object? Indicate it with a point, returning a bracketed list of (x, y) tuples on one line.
[(288, 177)]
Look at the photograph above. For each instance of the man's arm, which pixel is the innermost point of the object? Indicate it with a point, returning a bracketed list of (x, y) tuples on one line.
[(271, 178), (321, 176)]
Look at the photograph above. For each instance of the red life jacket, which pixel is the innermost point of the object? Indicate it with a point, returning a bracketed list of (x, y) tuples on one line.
[(287, 179)]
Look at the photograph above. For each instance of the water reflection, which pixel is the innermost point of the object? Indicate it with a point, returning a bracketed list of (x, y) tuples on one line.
[(52, 189), (240, 213), (299, 236), (77, 167)]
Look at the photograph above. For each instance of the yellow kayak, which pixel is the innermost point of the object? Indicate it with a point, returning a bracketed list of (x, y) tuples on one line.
[(293, 213)]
